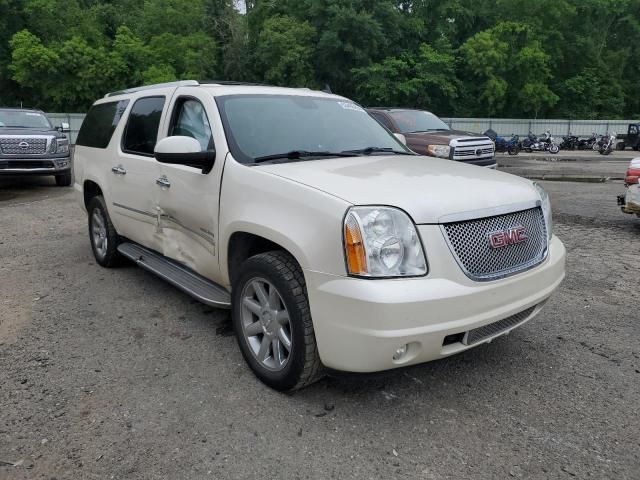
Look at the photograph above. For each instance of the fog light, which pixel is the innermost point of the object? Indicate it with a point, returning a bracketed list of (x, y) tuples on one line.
[(400, 353)]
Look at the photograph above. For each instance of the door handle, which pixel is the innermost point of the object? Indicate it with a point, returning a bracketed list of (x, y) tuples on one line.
[(163, 182), (119, 170)]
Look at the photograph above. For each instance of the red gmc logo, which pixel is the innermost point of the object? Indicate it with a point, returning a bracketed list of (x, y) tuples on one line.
[(510, 236)]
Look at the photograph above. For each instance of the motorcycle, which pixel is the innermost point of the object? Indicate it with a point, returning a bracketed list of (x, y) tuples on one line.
[(606, 144), (511, 146), (544, 143), (570, 142), (587, 143)]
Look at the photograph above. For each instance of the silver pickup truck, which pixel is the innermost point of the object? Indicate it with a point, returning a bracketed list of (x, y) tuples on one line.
[(30, 145)]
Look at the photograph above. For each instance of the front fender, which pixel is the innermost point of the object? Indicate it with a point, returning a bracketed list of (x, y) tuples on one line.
[(301, 219)]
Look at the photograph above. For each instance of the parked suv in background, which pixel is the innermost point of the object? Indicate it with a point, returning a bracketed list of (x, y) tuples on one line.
[(30, 145), (331, 242), (427, 135)]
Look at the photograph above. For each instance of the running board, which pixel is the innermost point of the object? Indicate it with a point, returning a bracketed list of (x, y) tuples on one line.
[(185, 279)]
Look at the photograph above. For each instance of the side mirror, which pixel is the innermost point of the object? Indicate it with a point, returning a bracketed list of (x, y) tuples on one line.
[(401, 137), (65, 127), (179, 150)]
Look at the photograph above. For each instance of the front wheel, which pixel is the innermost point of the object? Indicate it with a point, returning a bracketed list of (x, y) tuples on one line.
[(272, 321), (553, 148), (513, 150)]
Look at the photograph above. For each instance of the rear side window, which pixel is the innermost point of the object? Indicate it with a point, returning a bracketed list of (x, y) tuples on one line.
[(141, 132), (100, 123)]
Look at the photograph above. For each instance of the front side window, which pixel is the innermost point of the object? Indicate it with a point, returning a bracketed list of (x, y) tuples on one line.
[(415, 121), (190, 120), (141, 132), (259, 126), (21, 119), (100, 123)]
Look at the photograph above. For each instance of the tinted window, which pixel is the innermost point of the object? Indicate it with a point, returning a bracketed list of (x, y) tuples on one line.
[(410, 121), (99, 124), (141, 132), (260, 125), (190, 120), (382, 119)]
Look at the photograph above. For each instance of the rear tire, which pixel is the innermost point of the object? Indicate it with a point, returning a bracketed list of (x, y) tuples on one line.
[(102, 234), (63, 180), (270, 310)]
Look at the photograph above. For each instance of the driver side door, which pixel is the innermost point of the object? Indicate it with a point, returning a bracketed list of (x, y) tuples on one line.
[(188, 198)]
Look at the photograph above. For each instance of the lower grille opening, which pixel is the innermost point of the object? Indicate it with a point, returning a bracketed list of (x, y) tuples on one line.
[(455, 338), (480, 334)]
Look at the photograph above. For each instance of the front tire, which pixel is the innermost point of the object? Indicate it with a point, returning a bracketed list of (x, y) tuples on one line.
[(272, 321), (102, 234), (63, 180), (553, 148)]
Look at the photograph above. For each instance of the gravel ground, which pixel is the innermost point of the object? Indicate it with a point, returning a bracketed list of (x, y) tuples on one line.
[(114, 374)]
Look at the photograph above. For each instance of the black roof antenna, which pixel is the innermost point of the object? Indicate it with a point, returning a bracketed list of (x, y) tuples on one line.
[(327, 88)]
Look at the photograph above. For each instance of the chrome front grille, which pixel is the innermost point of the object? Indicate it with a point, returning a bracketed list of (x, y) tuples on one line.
[(482, 333), (24, 145), (471, 148), (470, 243)]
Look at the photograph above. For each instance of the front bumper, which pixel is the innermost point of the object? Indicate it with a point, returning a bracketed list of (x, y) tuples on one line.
[(359, 323), (35, 166), (630, 203)]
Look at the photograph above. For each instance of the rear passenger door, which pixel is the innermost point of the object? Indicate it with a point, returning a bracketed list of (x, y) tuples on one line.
[(134, 173), (188, 198)]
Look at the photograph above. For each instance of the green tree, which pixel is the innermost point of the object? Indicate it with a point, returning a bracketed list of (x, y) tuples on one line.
[(285, 52)]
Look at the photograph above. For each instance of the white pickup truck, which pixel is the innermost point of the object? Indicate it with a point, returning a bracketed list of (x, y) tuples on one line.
[(334, 245)]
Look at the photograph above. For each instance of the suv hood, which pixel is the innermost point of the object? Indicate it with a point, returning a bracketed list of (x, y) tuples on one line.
[(426, 188)]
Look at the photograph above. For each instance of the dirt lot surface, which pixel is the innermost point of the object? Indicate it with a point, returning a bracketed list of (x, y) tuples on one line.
[(113, 374)]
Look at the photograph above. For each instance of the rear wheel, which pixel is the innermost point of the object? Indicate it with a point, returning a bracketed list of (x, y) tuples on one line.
[(553, 148), (272, 321), (102, 234), (63, 180)]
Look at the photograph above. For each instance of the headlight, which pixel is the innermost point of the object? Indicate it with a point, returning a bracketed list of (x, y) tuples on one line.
[(441, 151), (546, 209), (62, 145), (382, 242)]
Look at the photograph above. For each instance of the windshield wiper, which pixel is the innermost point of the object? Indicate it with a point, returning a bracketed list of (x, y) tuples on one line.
[(298, 154), (370, 150)]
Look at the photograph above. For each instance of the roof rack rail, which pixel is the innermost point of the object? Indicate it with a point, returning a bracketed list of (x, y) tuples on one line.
[(180, 83), (233, 82)]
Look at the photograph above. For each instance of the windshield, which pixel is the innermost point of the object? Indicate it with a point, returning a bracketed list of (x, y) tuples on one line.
[(259, 126), (20, 119), (410, 121)]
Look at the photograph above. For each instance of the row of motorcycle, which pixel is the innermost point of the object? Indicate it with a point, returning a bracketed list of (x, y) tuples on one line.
[(604, 144)]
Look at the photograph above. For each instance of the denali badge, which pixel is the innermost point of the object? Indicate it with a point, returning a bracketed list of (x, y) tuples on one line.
[(511, 236)]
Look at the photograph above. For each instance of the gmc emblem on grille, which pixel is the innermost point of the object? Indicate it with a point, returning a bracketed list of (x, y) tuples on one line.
[(511, 236)]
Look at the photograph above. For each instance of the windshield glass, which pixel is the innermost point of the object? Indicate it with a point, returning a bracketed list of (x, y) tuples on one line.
[(263, 125), (410, 121), (20, 119)]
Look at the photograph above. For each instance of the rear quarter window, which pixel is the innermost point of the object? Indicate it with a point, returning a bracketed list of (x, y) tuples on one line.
[(100, 123)]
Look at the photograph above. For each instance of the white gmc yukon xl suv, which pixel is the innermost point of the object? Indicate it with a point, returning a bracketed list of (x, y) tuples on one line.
[(333, 244)]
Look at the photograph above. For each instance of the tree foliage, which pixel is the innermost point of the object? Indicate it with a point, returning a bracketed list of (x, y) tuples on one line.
[(512, 58)]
